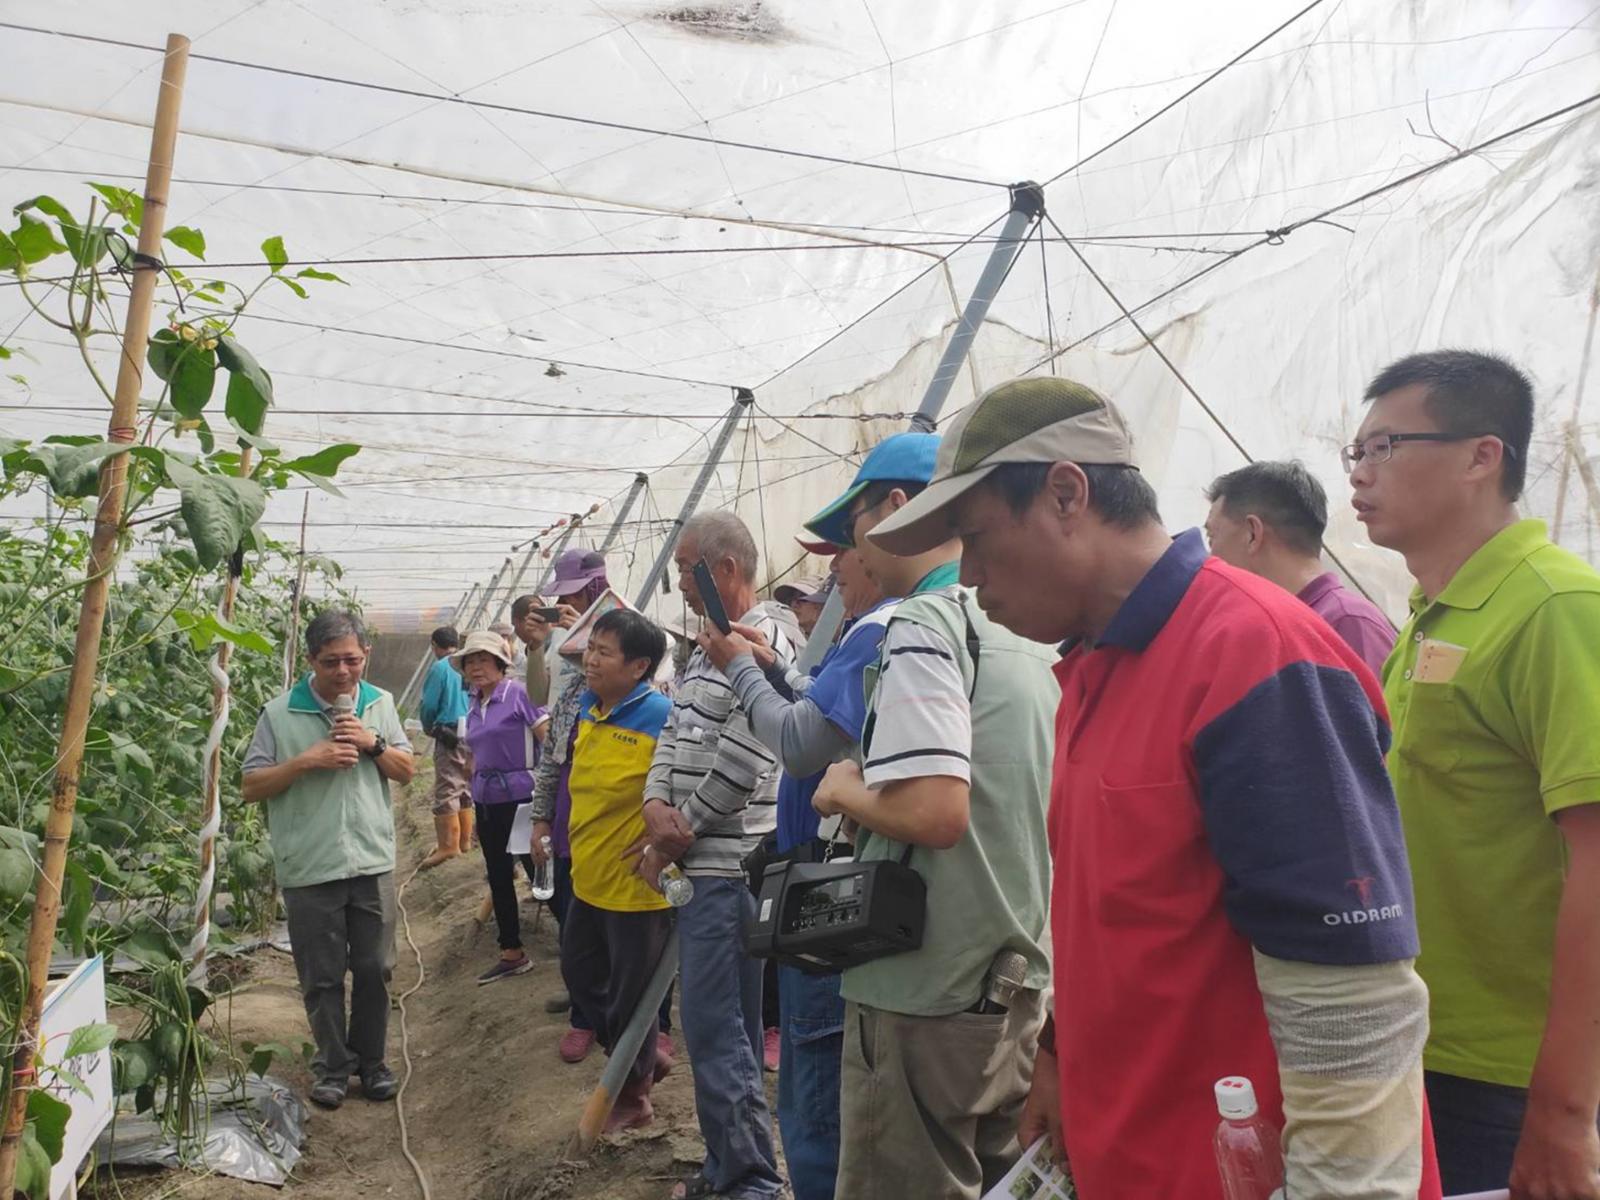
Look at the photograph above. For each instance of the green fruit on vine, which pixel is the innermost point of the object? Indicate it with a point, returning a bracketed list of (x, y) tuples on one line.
[(169, 1043), (133, 1064)]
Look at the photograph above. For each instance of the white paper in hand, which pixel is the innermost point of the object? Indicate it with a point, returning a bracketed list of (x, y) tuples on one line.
[(521, 839), (1035, 1177)]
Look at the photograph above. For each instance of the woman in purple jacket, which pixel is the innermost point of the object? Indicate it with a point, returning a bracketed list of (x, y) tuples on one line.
[(505, 731)]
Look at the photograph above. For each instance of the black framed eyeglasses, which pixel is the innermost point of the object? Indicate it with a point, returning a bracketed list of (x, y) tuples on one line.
[(1379, 448)]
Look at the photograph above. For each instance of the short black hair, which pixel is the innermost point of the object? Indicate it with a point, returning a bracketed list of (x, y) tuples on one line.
[(332, 625), (637, 634), (521, 605), (1120, 494), (1472, 394), (446, 637), (1284, 495)]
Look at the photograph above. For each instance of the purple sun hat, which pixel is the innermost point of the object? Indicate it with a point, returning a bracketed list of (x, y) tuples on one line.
[(575, 570)]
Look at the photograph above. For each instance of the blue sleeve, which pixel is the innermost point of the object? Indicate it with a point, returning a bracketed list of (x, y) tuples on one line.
[(1301, 816), (432, 696), (839, 691)]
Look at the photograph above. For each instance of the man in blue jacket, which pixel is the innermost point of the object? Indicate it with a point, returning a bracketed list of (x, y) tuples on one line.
[(444, 705)]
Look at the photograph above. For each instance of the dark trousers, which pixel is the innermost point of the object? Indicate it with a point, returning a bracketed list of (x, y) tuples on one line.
[(770, 1018), (1475, 1130), (494, 831), (607, 959), (344, 926), (560, 904)]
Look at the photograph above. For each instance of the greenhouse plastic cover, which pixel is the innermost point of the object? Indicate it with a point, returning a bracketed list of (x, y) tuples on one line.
[(668, 203)]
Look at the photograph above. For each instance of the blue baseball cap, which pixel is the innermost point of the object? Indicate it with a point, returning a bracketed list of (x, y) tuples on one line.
[(903, 458)]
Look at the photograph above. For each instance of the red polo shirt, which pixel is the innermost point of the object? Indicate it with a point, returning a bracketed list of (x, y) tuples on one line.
[(1219, 784)]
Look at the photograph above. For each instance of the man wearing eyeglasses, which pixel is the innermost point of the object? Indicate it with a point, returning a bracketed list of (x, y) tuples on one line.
[(321, 759), (1494, 690)]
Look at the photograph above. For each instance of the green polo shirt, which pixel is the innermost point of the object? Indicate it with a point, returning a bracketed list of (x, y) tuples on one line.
[(1494, 694)]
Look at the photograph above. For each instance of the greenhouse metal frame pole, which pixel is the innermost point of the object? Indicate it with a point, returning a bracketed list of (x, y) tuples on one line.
[(488, 594), (92, 612), (639, 481), (743, 399), (1027, 206), (527, 560)]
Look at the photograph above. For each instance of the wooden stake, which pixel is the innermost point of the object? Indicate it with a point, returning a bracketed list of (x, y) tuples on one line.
[(92, 612)]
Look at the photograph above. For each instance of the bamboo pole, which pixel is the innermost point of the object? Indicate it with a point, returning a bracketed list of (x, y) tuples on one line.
[(291, 656), (211, 787), (92, 612)]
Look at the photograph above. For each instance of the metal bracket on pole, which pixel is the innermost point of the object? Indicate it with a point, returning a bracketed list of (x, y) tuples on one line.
[(742, 400), (1027, 206)]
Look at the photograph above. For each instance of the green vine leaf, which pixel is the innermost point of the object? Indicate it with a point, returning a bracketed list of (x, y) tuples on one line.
[(185, 238), (325, 276), (217, 510), (127, 205), (325, 462), (272, 250), (294, 287), (73, 471), (34, 240), (249, 386)]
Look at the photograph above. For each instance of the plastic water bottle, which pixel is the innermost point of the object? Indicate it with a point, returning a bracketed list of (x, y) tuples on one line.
[(1249, 1150), (677, 887), (544, 878)]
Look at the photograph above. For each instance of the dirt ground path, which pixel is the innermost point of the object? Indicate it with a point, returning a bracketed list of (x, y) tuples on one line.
[(489, 1106)]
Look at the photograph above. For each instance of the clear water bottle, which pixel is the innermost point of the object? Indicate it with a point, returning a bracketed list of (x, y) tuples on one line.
[(544, 873), (1249, 1150), (677, 887)]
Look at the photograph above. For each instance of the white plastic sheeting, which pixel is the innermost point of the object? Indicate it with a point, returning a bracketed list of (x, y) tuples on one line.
[(659, 271)]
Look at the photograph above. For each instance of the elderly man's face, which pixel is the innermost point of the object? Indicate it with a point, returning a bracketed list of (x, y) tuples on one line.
[(684, 558), (336, 668)]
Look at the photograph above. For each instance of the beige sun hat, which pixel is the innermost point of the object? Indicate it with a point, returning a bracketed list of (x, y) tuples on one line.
[(1020, 421), (482, 641)]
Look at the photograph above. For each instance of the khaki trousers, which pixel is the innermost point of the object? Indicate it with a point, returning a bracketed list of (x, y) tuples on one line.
[(929, 1105), (452, 779)]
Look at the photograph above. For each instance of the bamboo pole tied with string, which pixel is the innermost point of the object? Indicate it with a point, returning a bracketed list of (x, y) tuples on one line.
[(103, 552)]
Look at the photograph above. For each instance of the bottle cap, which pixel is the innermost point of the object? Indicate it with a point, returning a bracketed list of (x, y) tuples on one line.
[(1236, 1098)]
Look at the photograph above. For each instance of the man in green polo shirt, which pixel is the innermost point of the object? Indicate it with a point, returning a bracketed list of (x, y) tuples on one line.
[(321, 759), (1494, 694)]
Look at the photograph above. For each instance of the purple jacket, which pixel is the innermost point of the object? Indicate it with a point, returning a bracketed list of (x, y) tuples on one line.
[(504, 752)]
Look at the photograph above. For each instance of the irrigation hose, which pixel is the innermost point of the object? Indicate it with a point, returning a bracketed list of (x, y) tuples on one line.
[(405, 1041)]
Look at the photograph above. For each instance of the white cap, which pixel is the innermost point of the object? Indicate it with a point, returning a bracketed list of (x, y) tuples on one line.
[(1236, 1098)]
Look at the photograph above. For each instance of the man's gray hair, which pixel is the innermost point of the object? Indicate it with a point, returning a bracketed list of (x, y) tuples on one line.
[(332, 625), (722, 535)]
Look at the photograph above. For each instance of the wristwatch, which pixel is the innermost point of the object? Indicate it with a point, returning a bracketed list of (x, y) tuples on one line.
[(379, 745)]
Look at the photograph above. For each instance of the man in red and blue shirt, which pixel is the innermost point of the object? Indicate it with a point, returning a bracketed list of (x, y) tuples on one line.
[(1231, 891)]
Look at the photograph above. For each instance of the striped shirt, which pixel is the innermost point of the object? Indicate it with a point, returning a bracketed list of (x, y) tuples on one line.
[(711, 766), (922, 722)]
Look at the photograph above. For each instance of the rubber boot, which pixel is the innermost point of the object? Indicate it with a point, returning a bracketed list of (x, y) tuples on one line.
[(444, 827), (468, 839)]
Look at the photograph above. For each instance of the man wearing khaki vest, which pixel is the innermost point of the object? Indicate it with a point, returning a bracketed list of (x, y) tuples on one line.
[(321, 760)]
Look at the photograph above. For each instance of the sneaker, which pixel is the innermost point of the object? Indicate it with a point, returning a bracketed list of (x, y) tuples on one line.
[(379, 1083), (328, 1093), (576, 1044), (558, 1003), (769, 1049), (505, 968)]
